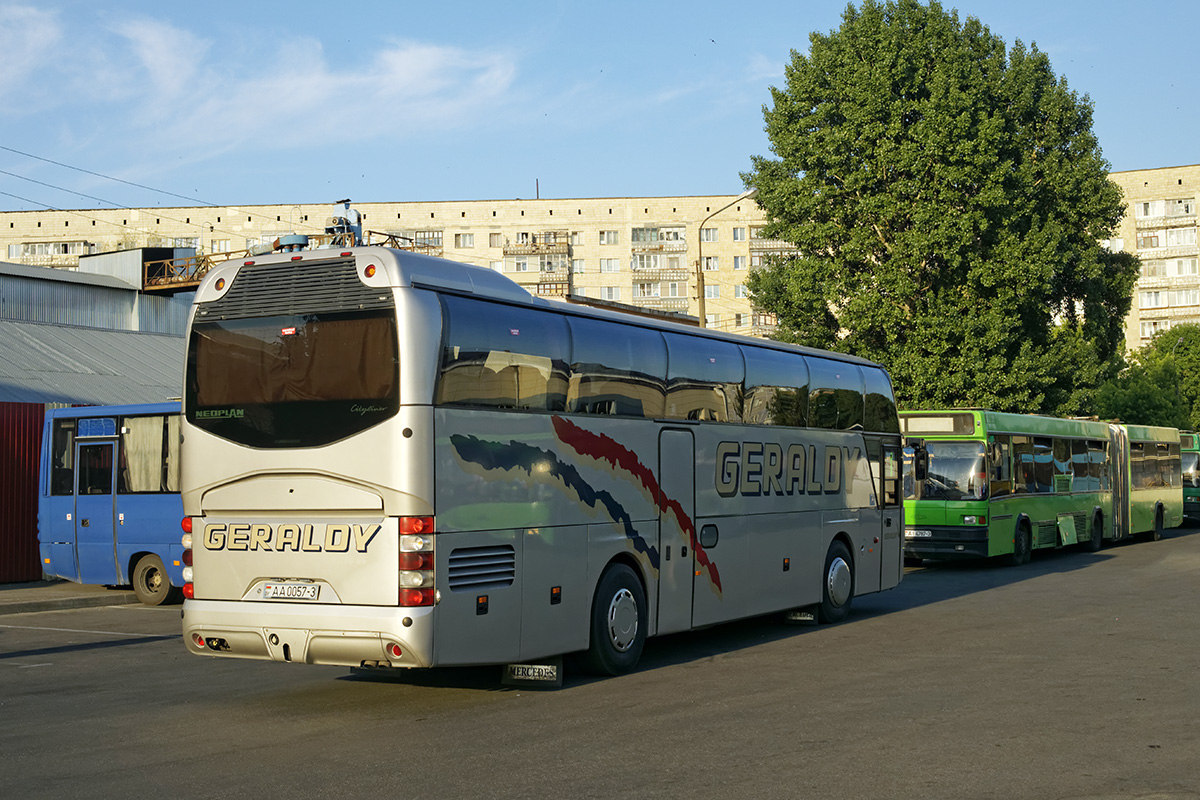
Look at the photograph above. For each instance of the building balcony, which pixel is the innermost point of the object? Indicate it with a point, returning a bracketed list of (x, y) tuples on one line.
[(662, 303), (659, 247)]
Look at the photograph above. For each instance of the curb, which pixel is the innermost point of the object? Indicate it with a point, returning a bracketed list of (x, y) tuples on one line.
[(61, 603)]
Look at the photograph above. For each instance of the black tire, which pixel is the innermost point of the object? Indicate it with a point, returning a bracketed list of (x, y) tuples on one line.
[(1096, 540), (619, 620), (1022, 546), (1156, 534), (913, 561), (150, 581), (837, 584)]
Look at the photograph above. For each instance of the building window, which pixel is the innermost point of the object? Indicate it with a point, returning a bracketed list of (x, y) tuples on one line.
[(646, 290), (1149, 208), (577, 265), (643, 235), (674, 290), (1185, 266), (1181, 208), (1153, 300), (428, 238), (645, 261), (1154, 326), (521, 264), (610, 293), (464, 240), (673, 262), (14, 251), (497, 266), (550, 263), (739, 290), (711, 320), (739, 320), (495, 240), (610, 265), (756, 262), (1180, 237), (576, 237), (739, 262), (1154, 269), (708, 234), (1147, 240), (711, 263), (739, 234), (609, 237), (219, 246), (712, 291), (1185, 297)]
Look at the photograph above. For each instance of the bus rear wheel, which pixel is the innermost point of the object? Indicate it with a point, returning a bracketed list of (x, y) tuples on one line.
[(619, 620), (1157, 533), (1096, 540), (150, 581), (837, 584)]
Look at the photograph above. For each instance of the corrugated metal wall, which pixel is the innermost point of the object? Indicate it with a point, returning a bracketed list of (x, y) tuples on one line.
[(20, 445), (62, 303)]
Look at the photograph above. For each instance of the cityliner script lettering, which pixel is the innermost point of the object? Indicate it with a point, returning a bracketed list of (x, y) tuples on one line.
[(753, 469), (296, 538)]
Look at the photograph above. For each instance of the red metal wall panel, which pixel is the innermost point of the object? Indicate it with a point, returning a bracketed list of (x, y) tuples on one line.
[(20, 447)]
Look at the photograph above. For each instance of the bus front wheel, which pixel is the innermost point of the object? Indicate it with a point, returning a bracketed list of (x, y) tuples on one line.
[(837, 584), (1157, 533), (1022, 546), (619, 620), (150, 581)]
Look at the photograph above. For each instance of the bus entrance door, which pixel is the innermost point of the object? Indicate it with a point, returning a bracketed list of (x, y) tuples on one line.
[(95, 543), (676, 529)]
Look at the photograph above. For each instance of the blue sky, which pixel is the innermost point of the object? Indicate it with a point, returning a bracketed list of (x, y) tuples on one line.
[(239, 103)]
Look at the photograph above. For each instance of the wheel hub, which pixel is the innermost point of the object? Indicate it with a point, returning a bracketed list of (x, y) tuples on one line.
[(622, 620), (839, 581)]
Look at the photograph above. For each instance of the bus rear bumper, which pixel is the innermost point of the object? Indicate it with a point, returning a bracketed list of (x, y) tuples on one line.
[(946, 541), (350, 636)]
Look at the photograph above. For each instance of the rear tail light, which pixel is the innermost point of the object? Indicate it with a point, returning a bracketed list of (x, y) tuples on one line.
[(189, 590), (415, 562)]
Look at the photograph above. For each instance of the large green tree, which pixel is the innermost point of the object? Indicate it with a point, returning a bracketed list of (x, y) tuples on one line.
[(1160, 384), (947, 198)]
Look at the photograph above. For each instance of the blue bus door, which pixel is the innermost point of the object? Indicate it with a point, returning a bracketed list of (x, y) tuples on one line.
[(95, 534)]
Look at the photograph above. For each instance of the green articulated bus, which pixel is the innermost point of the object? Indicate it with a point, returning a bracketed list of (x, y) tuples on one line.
[(984, 483), (1189, 446)]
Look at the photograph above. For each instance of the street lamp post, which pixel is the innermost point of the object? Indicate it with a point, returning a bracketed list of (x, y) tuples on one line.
[(749, 194)]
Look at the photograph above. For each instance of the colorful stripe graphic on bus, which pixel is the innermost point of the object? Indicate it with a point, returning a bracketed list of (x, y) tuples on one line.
[(535, 461), (623, 460)]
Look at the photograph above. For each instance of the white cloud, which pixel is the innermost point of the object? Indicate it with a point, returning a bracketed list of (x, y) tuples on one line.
[(29, 41)]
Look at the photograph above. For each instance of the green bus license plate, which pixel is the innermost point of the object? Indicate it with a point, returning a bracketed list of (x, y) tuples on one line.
[(291, 591), (913, 534)]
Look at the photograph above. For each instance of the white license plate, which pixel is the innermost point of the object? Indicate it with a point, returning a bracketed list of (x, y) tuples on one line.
[(291, 591), (911, 534)]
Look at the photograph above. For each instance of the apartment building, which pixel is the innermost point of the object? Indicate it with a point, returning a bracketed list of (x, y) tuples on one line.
[(1160, 228), (689, 255)]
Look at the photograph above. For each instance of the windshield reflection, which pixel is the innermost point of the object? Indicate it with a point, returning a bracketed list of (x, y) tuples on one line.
[(956, 472), (1191, 470)]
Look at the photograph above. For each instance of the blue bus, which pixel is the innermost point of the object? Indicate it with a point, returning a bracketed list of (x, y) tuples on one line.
[(108, 498)]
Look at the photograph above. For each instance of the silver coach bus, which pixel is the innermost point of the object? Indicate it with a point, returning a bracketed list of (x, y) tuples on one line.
[(394, 460)]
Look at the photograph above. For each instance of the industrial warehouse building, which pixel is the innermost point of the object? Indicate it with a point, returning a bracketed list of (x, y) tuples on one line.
[(72, 338)]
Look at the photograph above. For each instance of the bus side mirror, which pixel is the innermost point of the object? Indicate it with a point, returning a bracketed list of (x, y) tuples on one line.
[(916, 454)]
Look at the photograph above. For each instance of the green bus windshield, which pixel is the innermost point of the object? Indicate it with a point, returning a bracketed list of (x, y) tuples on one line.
[(956, 472)]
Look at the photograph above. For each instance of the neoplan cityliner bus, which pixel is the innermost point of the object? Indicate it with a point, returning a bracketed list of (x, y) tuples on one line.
[(998, 484), (393, 460)]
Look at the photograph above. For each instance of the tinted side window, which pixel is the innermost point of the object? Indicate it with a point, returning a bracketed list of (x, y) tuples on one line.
[(500, 356), (704, 379), (776, 388), (1043, 463), (616, 369), (880, 403), (835, 395), (62, 459)]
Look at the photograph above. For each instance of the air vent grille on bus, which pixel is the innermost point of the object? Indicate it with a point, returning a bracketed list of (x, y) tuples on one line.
[(299, 287), (486, 567)]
